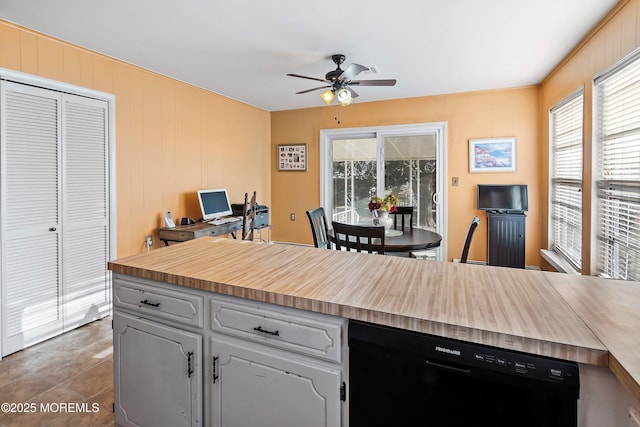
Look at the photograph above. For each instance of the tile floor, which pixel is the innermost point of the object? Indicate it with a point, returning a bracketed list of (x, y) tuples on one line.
[(74, 368)]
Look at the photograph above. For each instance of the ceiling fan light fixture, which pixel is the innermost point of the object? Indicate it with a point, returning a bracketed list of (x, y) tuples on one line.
[(344, 96), (327, 96), (338, 81)]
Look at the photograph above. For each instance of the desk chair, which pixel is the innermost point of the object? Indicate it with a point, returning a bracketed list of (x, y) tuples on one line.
[(358, 237), (248, 216), (403, 212), (467, 243), (319, 228)]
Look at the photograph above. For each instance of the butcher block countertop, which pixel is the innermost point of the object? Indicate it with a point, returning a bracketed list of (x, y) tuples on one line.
[(577, 318)]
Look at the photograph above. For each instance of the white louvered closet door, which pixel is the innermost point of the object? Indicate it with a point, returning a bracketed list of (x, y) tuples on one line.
[(85, 220), (30, 215)]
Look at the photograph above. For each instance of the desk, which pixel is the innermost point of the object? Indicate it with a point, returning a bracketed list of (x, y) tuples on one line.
[(414, 239), (182, 233)]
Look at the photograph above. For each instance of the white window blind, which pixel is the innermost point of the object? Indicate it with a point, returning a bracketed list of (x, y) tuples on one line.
[(617, 172), (566, 179)]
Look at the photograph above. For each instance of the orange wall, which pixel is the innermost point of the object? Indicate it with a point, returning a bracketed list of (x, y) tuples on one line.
[(171, 138), (615, 37), (512, 112)]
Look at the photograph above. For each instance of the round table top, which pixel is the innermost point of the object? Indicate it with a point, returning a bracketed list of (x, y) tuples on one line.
[(411, 239)]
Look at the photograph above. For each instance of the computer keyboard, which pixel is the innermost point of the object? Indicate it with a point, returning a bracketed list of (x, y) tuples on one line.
[(221, 221)]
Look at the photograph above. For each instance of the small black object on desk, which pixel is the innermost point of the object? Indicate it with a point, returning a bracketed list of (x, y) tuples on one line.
[(261, 219)]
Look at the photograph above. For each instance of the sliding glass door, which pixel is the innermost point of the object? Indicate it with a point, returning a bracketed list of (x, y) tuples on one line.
[(408, 161)]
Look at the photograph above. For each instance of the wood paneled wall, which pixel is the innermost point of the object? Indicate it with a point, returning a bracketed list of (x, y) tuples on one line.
[(615, 37), (171, 138), (499, 113)]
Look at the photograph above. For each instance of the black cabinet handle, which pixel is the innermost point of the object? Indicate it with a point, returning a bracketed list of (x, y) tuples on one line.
[(215, 369), (190, 364), (266, 331), (149, 303), (52, 229)]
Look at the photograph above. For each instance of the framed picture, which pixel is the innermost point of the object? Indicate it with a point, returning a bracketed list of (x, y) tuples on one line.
[(292, 157), (492, 155)]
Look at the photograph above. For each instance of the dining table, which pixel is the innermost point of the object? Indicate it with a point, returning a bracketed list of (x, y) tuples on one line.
[(406, 240)]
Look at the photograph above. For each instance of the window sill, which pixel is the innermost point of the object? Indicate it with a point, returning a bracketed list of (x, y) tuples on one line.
[(557, 262)]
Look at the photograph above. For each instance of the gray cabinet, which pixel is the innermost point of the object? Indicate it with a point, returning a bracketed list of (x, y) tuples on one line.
[(157, 354), (506, 239), (287, 363), (253, 364), (257, 385), (157, 374)]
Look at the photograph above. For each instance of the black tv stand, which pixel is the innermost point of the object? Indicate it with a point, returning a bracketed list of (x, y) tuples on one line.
[(506, 238), (504, 211)]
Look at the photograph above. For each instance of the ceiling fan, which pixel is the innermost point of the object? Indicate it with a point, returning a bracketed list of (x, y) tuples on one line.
[(339, 82)]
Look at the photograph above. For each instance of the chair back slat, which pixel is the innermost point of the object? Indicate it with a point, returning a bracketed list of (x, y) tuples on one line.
[(359, 237), (248, 216), (319, 228), (405, 213)]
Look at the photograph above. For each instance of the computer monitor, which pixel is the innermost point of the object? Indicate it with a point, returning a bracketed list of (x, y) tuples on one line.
[(214, 203)]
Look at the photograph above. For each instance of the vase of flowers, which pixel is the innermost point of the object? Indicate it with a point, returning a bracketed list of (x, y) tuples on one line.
[(381, 208)]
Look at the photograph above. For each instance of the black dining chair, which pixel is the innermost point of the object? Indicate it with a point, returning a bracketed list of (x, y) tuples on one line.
[(405, 213), (358, 237), (319, 228), (467, 242)]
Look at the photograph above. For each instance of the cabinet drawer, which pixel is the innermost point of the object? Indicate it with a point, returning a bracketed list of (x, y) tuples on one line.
[(150, 300), (307, 333), (182, 236)]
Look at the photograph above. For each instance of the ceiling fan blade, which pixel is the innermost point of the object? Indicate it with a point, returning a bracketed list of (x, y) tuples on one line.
[(310, 78), (311, 90), (385, 82), (354, 94), (351, 71)]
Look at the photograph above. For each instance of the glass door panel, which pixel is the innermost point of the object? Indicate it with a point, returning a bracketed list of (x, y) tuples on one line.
[(354, 176), (410, 173)]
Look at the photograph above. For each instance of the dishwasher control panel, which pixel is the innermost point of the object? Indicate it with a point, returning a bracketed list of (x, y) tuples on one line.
[(467, 358)]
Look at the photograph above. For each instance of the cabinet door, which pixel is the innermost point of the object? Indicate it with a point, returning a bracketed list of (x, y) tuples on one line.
[(157, 372), (506, 240), (255, 385), (30, 215)]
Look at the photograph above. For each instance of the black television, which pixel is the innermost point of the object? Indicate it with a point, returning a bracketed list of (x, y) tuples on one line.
[(503, 198)]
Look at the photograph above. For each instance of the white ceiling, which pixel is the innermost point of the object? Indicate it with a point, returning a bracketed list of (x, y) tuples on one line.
[(243, 49)]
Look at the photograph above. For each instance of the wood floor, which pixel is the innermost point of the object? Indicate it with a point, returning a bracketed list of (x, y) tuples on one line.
[(65, 381)]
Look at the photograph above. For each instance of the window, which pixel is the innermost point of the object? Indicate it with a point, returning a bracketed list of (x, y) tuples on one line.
[(617, 171), (565, 123)]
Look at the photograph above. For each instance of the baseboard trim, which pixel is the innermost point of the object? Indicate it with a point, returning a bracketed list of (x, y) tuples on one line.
[(476, 262)]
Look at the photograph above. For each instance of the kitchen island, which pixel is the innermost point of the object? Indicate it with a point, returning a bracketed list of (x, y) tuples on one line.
[(582, 319)]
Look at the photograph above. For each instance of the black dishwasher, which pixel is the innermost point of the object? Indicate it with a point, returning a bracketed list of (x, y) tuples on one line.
[(404, 378)]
